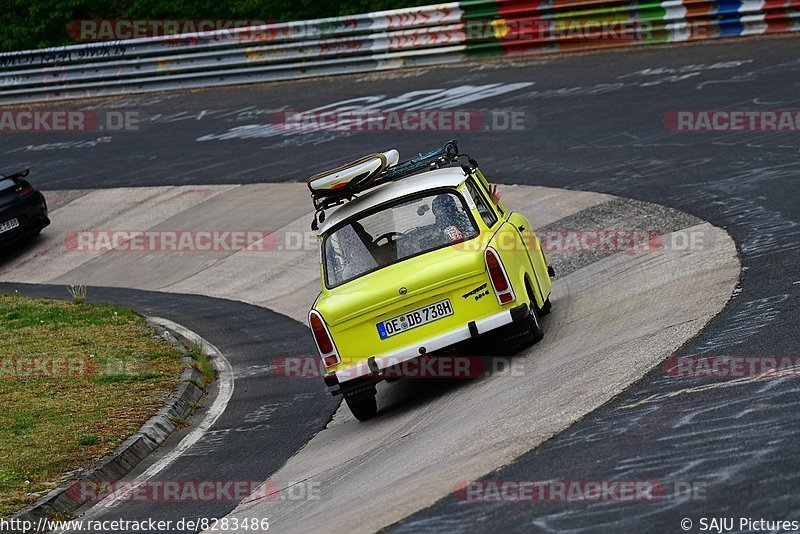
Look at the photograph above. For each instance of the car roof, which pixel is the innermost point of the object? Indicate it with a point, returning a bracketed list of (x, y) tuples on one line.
[(447, 177)]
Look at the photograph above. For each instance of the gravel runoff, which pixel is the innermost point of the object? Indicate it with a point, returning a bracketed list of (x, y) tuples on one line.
[(617, 214)]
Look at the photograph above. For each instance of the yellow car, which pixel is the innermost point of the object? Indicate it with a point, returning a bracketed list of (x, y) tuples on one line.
[(415, 259)]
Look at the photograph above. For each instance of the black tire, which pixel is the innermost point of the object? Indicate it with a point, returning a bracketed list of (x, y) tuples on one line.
[(363, 407), (533, 328), (546, 308)]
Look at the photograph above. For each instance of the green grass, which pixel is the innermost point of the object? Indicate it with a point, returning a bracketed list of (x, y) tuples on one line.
[(112, 373), (91, 439)]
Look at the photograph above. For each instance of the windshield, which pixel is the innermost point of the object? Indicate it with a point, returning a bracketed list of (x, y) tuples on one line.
[(6, 184), (398, 231)]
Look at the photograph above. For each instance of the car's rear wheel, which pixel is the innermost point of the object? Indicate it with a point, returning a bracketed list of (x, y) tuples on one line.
[(545, 308), (531, 322), (363, 407), (533, 328)]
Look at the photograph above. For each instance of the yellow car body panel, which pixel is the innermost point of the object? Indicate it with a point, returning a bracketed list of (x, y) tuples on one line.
[(353, 310)]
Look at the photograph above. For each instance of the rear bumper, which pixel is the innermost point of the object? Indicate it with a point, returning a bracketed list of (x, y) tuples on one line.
[(31, 214), (371, 371)]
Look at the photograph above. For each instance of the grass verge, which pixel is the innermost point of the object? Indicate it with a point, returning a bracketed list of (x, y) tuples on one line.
[(75, 381)]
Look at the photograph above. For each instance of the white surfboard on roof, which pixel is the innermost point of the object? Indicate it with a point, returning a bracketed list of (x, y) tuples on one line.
[(358, 170)]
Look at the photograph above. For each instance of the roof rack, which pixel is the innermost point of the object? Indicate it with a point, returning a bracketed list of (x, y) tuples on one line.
[(337, 186)]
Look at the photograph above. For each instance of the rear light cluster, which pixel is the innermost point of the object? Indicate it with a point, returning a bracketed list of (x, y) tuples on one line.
[(327, 350), (26, 191), (498, 276)]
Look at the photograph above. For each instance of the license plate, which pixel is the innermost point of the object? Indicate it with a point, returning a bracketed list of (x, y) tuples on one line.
[(415, 318), (8, 225)]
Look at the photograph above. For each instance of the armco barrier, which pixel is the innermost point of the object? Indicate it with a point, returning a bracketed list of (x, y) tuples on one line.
[(427, 35)]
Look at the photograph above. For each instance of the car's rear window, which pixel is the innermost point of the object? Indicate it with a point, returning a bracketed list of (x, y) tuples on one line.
[(7, 184), (398, 231)]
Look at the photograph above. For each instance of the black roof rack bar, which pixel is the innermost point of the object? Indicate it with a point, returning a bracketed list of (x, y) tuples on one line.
[(435, 159), (424, 162)]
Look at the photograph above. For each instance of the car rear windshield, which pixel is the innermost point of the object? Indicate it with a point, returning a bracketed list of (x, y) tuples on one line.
[(6, 184), (396, 232)]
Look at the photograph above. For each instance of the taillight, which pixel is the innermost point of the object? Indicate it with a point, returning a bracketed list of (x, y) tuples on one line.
[(27, 191), (496, 271), (324, 343), (327, 350), (498, 277)]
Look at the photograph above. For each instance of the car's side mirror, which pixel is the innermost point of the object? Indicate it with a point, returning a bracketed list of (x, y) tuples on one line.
[(422, 210)]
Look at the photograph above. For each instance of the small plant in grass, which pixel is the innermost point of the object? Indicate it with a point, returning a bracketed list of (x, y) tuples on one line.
[(202, 363), (20, 427), (89, 440), (78, 292), (179, 422)]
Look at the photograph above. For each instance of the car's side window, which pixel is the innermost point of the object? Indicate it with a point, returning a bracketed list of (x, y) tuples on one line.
[(486, 212)]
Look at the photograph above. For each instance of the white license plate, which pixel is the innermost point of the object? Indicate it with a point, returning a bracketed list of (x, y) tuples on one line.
[(8, 225), (415, 318)]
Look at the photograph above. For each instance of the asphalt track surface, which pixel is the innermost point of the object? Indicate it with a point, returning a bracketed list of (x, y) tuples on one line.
[(615, 316), (594, 122)]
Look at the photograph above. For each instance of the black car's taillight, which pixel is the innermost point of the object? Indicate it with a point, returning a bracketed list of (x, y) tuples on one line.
[(26, 190)]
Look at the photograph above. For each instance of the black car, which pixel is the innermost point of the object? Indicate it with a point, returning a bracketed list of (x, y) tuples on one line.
[(23, 209)]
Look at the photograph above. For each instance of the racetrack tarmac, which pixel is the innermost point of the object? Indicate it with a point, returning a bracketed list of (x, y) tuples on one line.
[(594, 122), (614, 318)]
